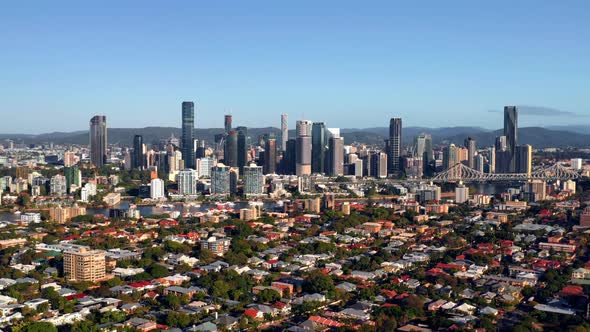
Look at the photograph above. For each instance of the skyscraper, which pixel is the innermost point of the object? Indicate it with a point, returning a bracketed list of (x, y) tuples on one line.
[(303, 153), (450, 156), (188, 128), (318, 148), (270, 155), (98, 140), (470, 144), (253, 180), (424, 149), (284, 131), (220, 180), (492, 159), (242, 147), (511, 133), (393, 146), (230, 152), (502, 156), (227, 123), (290, 157), (138, 159), (524, 159), (187, 182), (336, 156)]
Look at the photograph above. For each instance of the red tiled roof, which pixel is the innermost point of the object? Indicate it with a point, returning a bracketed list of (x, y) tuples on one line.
[(75, 296), (325, 321), (251, 312)]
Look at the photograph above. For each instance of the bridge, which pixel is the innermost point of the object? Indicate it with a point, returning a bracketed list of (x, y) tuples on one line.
[(460, 172)]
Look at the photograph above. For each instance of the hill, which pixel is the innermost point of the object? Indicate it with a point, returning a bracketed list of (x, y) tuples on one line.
[(536, 136)]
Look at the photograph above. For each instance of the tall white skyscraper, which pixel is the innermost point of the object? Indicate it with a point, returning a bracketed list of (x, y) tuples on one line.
[(157, 188)]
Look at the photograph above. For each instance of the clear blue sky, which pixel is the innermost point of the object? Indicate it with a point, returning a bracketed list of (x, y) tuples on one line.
[(348, 63)]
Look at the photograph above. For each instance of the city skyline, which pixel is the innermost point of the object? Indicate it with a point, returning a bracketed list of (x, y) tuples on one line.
[(415, 61)]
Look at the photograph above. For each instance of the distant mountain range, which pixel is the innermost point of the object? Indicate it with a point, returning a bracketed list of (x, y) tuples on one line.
[(558, 136)]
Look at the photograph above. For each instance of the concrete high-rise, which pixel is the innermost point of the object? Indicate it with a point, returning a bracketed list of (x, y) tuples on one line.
[(284, 131), (187, 182), (138, 158), (394, 146), (511, 133), (242, 147), (524, 159), (188, 132), (470, 144), (156, 188), (253, 180), (304, 146), (98, 140), (81, 263), (289, 158), (227, 123), (336, 153), (270, 155), (220, 180), (423, 147), (318, 148), (230, 152)]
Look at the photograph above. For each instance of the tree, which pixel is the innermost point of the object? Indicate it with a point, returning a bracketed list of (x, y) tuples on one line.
[(317, 282), (158, 271), (39, 327), (172, 301), (220, 289), (269, 296), (84, 326), (178, 319)]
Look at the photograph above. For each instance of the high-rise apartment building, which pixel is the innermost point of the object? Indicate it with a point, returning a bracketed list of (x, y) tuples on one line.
[(84, 264), (70, 159), (461, 194), (220, 180), (156, 188), (98, 140), (253, 180), (204, 166), (535, 190), (58, 185), (304, 146), (187, 139), (218, 246), (187, 181), (284, 131), (394, 146)]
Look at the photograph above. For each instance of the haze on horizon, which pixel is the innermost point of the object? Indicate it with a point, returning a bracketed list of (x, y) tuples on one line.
[(434, 64)]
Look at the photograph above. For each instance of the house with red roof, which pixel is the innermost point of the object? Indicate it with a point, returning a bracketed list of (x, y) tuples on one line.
[(253, 314), (325, 321)]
